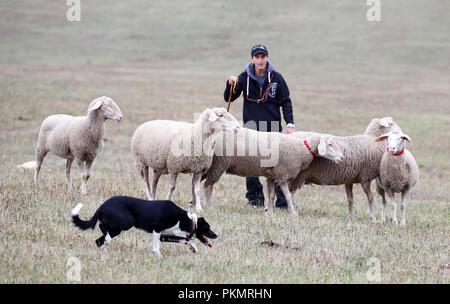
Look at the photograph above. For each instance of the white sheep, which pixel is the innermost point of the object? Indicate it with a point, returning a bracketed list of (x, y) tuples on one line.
[(76, 138), (361, 162), (172, 147), (249, 156), (30, 165), (398, 173)]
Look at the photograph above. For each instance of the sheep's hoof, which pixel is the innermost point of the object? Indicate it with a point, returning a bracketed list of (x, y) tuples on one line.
[(395, 222), (373, 219), (402, 223)]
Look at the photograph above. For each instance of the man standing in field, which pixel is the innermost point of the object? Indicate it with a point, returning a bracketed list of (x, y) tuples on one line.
[(265, 91)]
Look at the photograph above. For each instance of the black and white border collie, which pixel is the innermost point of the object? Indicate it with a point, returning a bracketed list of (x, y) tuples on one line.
[(164, 219)]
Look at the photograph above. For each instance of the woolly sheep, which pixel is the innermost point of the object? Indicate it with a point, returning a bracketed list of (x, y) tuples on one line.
[(361, 164), (30, 165), (76, 138), (156, 145), (398, 173), (288, 156)]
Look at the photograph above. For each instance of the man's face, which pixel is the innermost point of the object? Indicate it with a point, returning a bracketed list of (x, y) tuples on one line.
[(260, 61)]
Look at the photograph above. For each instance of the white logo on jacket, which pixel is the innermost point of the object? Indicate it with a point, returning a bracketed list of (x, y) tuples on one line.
[(273, 89)]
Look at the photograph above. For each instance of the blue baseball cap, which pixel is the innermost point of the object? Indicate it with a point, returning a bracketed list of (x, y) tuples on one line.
[(259, 49)]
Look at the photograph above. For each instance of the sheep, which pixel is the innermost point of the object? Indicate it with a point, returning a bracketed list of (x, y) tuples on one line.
[(76, 138), (156, 144), (361, 164), (288, 157), (30, 165), (398, 173)]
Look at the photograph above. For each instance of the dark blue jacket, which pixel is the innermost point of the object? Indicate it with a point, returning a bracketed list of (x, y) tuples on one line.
[(262, 104)]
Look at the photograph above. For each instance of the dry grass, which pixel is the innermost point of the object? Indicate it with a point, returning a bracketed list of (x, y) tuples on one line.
[(342, 71)]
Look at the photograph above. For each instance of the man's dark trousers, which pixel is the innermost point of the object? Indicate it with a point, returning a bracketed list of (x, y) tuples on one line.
[(255, 192)]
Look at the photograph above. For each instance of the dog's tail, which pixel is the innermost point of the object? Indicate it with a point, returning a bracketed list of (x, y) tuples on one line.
[(83, 225)]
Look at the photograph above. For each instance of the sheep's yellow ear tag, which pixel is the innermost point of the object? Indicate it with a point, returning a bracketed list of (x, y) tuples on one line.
[(213, 116)]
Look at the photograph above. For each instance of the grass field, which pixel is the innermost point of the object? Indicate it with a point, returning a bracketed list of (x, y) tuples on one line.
[(169, 60)]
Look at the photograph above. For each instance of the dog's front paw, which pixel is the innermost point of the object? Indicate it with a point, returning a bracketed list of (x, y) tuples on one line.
[(192, 248)]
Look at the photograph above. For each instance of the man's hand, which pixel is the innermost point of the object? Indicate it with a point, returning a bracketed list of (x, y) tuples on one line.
[(232, 80), (289, 130)]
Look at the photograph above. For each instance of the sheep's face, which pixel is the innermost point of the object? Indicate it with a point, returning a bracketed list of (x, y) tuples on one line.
[(330, 150), (107, 107), (395, 141), (219, 119)]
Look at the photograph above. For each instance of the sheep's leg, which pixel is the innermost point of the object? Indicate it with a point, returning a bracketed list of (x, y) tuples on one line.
[(382, 193), (394, 206), (383, 210), (271, 195), (196, 184), (81, 164), (366, 188), (287, 194), (155, 180), (208, 189), (208, 185), (192, 201), (87, 169), (144, 173), (87, 173), (173, 183), (349, 192), (295, 188), (68, 166), (293, 193), (405, 195), (40, 155)]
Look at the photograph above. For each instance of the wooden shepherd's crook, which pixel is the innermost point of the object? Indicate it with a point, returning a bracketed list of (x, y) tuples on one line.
[(232, 90)]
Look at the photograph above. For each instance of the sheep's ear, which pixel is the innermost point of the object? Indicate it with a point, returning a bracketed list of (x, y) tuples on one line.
[(213, 116), (95, 104), (382, 137), (404, 136), (386, 121), (322, 148)]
